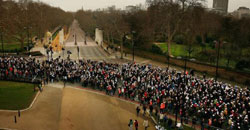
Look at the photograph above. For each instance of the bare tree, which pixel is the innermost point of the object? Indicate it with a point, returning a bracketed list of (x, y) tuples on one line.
[(170, 16)]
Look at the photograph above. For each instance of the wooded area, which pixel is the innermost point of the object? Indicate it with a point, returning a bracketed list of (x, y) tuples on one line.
[(25, 18), (184, 22)]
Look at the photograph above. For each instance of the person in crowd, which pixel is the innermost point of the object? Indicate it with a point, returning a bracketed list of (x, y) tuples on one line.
[(130, 124), (138, 110), (136, 124), (145, 124)]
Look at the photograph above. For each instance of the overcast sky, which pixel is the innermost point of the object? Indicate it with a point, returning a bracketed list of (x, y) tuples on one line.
[(73, 5)]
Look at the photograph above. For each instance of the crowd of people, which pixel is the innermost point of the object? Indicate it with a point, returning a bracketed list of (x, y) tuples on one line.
[(210, 101), (160, 90)]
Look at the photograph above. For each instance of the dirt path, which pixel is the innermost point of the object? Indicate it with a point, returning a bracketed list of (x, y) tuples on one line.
[(86, 110), (44, 115)]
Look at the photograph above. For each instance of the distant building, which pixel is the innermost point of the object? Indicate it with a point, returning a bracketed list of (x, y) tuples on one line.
[(130, 8), (242, 12), (220, 6)]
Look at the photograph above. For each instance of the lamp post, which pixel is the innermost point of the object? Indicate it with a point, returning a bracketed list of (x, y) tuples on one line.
[(85, 39), (177, 107), (122, 42), (218, 57), (75, 40), (51, 52), (185, 69), (168, 58), (78, 51), (2, 40), (133, 44), (63, 52), (47, 51), (28, 35)]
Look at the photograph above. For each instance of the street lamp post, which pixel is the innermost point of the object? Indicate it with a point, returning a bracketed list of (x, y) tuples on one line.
[(85, 39), (78, 51), (51, 52), (122, 42), (75, 40), (168, 57), (47, 51), (63, 52), (185, 69), (28, 35), (133, 44), (177, 107), (218, 57), (2, 41)]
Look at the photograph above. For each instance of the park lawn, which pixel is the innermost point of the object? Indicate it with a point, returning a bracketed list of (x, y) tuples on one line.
[(13, 46), (15, 95), (179, 49)]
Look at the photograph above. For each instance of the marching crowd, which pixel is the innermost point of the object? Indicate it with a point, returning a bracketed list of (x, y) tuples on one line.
[(161, 90)]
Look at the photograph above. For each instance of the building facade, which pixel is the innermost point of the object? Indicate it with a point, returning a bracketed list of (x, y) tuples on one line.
[(242, 12), (220, 6)]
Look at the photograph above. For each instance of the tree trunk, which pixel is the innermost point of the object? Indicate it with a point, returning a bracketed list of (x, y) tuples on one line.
[(108, 38), (240, 54), (203, 42), (228, 61), (112, 39), (22, 45), (169, 46), (121, 47)]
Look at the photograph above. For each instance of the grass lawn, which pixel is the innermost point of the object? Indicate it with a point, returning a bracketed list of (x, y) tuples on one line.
[(15, 95), (181, 50), (12, 46)]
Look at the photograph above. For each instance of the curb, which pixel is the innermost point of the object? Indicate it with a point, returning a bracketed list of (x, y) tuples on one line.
[(7, 129)]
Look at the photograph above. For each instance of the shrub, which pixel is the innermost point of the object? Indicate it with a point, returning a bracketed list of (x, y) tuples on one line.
[(155, 49), (242, 64), (198, 39), (179, 39), (247, 82)]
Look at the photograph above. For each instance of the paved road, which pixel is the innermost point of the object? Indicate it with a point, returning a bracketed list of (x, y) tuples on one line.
[(86, 51), (88, 110)]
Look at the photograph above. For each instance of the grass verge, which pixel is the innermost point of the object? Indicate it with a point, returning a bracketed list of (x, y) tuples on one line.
[(15, 95)]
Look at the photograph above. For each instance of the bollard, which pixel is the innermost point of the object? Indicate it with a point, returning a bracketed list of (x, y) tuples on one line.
[(15, 119), (19, 113)]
